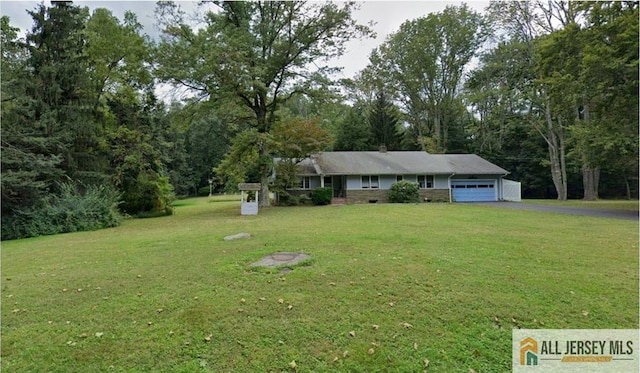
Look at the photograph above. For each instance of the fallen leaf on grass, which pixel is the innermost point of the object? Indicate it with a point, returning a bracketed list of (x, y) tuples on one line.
[(208, 338), (406, 325), (585, 313), (376, 344), (352, 333), (371, 351), (293, 364), (280, 300), (345, 354), (391, 304), (415, 346), (99, 334), (262, 299), (426, 362), (332, 283), (375, 327), (289, 307), (83, 335), (335, 359), (242, 300), (471, 370)]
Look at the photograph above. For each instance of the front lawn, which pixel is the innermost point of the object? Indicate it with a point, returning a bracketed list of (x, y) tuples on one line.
[(629, 205), (388, 287)]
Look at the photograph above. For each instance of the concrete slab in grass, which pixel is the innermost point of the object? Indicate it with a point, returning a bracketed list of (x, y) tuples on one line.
[(281, 259)]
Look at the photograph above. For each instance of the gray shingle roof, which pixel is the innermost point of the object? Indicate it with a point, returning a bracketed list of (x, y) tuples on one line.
[(396, 163)]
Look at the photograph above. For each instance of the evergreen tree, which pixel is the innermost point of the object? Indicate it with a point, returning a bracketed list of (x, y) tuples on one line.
[(383, 121), (354, 133)]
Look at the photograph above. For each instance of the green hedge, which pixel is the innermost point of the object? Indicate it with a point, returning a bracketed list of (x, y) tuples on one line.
[(69, 210)]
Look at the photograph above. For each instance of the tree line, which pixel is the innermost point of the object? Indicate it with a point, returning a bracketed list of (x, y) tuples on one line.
[(545, 89)]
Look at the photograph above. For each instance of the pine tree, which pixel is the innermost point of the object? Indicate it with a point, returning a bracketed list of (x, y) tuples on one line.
[(383, 121)]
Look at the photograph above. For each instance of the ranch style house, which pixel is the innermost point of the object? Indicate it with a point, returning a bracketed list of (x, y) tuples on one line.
[(366, 176)]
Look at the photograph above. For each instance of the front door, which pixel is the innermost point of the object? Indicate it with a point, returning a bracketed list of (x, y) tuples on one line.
[(337, 183)]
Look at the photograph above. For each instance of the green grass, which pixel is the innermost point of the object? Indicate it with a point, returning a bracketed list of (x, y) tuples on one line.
[(168, 294), (630, 205)]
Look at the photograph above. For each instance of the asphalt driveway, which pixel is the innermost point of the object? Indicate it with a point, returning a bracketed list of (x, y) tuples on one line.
[(601, 213)]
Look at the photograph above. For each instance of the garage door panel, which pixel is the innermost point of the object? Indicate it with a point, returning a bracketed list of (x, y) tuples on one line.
[(473, 190)]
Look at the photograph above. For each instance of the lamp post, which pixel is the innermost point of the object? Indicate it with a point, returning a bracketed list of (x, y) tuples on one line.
[(210, 187)]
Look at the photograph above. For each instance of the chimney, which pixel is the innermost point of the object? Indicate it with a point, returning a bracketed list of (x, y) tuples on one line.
[(383, 148)]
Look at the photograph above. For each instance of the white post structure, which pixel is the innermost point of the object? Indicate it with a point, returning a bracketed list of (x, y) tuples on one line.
[(248, 205)]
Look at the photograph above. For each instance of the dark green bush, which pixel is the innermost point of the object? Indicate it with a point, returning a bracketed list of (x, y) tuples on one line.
[(203, 192), (286, 199), (404, 192), (148, 195), (322, 196), (69, 210)]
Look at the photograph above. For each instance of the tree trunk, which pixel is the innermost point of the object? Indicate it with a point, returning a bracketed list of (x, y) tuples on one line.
[(590, 178), (264, 191), (563, 163), (628, 187), (436, 131), (556, 156), (590, 173)]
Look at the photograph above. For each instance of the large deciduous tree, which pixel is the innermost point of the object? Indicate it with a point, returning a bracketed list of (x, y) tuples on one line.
[(424, 62), (253, 56)]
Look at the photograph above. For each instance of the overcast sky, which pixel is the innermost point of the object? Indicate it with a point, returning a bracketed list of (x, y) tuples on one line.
[(388, 16)]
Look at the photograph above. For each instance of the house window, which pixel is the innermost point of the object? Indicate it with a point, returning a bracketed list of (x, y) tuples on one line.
[(304, 182), (425, 181), (328, 182), (398, 177), (370, 182)]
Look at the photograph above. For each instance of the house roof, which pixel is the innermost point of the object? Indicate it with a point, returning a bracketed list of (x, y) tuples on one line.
[(396, 163)]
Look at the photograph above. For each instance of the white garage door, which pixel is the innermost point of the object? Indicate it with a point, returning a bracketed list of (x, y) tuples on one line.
[(473, 190)]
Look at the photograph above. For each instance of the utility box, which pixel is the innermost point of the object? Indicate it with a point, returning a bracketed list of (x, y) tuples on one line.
[(250, 197)]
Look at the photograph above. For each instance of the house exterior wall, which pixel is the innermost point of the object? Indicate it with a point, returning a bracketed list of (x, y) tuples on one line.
[(434, 195), (386, 181), (367, 196), (382, 195), (441, 182), (353, 182)]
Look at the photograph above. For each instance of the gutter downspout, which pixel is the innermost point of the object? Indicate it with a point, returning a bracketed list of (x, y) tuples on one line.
[(450, 194)]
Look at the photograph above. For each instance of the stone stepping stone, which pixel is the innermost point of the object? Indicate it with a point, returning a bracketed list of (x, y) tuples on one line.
[(237, 236)]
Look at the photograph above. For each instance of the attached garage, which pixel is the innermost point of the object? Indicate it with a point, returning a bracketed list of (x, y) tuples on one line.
[(474, 190)]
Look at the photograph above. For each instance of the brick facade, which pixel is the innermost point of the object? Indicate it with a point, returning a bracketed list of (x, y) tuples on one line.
[(382, 195), (434, 195)]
